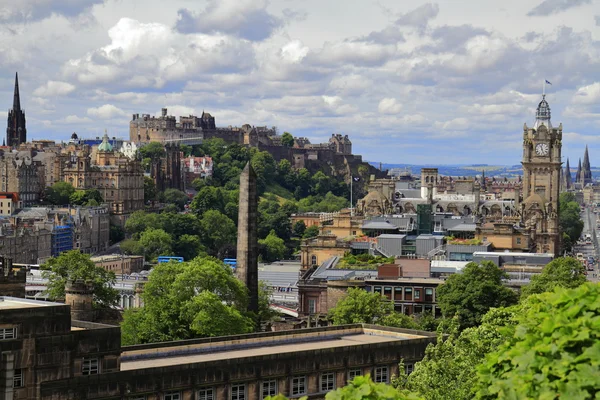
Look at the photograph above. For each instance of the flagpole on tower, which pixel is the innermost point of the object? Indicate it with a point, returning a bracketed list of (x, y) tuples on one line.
[(544, 88)]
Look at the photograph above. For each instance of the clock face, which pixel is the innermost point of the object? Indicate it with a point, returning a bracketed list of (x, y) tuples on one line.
[(542, 149)]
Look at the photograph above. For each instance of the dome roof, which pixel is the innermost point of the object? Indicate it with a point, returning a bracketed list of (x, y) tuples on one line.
[(105, 145), (542, 114)]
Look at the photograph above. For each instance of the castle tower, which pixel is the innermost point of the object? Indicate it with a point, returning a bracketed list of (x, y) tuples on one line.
[(247, 241), (16, 131), (586, 168), (541, 180), (568, 179), (79, 295)]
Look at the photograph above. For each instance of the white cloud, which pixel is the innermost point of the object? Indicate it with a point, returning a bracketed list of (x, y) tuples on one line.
[(389, 105), (54, 88), (74, 119), (107, 111), (589, 94), (294, 51)]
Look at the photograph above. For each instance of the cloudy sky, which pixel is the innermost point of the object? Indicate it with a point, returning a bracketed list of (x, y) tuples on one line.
[(411, 82)]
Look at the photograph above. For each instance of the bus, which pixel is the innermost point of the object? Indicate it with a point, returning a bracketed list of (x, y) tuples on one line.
[(232, 262), (164, 259)]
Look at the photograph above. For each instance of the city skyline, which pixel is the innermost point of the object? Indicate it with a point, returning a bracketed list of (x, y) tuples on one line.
[(430, 83)]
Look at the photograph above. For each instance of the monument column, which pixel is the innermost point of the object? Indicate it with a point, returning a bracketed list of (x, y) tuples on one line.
[(247, 241)]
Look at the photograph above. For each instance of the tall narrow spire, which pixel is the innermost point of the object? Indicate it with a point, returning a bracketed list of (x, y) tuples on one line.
[(17, 98), (578, 174), (586, 168), (568, 181)]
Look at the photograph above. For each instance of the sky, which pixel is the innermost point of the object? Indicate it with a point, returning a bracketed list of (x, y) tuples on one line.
[(426, 83)]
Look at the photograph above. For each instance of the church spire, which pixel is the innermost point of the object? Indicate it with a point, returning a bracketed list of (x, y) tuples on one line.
[(16, 98), (568, 182), (586, 168), (578, 174)]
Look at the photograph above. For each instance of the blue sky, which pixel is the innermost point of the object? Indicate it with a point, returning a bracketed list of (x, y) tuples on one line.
[(411, 82)]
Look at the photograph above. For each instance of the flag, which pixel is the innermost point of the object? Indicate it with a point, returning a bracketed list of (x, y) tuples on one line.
[(356, 178), (548, 82)]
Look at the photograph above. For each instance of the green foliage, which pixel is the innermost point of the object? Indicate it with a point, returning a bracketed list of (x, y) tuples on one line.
[(140, 220), (59, 193), (89, 197), (554, 352), (363, 261), (448, 370), (187, 300), (116, 233), (265, 167), (570, 222), (360, 306), (318, 203), (186, 150), (156, 242), (188, 247), (299, 228), (470, 294), (177, 197), (131, 247), (73, 265), (218, 233), (265, 313), (566, 272), (149, 189), (153, 151), (272, 247), (310, 232), (287, 139)]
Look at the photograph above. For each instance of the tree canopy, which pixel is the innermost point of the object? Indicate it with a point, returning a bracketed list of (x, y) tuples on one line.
[(59, 193), (175, 196), (570, 222), (287, 139), (152, 150), (564, 272), (554, 352), (470, 294), (187, 300), (272, 247), (73, 265), (156, 242)]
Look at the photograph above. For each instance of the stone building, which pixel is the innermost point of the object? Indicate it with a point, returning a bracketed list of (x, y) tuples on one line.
[(119, 179), (341, 144), (12, 281), (167, 171), (120, 264), (27, 245), (16, 130), (9, 203), (47, 355), (22, 174)]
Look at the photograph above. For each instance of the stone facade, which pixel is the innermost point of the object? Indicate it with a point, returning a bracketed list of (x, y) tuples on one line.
[(120, 264), (247, 241), (12, 281), (21, 174)]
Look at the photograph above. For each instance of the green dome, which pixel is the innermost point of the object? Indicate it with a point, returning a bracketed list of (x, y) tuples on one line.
[(105, 145)]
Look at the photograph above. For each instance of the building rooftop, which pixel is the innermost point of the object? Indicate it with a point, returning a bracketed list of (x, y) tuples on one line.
[(11, 303), (258, 345)]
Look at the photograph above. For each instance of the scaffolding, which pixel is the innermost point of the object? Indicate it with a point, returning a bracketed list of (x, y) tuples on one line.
[(62, 239), (424, 219)]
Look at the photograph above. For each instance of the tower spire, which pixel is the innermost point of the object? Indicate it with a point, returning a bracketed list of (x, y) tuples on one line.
[(568, 182), (16, 98)]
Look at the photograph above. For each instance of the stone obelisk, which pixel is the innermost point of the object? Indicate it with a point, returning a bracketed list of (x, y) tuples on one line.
[(247, 240)]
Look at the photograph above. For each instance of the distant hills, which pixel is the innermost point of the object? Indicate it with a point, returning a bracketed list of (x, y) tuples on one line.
[(471, 169)]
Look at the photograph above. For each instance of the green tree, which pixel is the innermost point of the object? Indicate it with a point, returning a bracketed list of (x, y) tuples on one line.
[(73, 265), (186, 150), (131, 247), (310, 232), (140, 220), (265, 313), (188, 247), (554, 351), (272, 247), (299, 228), (470, 294), (218, 232), (177, 197), (149, 189), (264, 165), (360, 306), (116, 233), (569, 219), (287, 139), (156, 242), (86, 197), (449, 368), (59, 193), (188, 300), (564, 272), (153, 150)]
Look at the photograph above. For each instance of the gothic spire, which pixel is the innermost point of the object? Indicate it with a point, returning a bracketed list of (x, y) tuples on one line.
[(578, 174), (16, 99), (568, 182)]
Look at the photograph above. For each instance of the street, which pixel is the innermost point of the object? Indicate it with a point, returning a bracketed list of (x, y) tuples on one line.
[(589, 250)]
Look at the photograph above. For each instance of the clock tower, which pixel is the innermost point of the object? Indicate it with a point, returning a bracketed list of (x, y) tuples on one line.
[(541, 180)]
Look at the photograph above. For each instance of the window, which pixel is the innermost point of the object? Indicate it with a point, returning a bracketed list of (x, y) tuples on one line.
[(313, 260), (407, 293), (518, 240), (312, 306), (238, 392), (377, 289), (269, 388), (298, 385), (429, 294), (90, 366), (206, 394), (18, 378), (381, 374), (8, 333), (353, 373), (397, 293), (417, 294), (387, 292), (409, 368), (327, 382), (172, 396)]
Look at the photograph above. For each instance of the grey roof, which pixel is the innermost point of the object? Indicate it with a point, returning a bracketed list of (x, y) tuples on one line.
[(360, 245), (378, 225), (463, 228), (390, 236), (411, 193)]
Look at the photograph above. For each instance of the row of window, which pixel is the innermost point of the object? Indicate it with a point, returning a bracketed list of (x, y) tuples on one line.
[(405, 293), (8, 333), (269, 387)]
